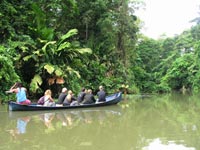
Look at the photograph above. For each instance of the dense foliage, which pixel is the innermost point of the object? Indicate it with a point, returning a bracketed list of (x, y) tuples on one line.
[(51, 44), (170, 63)]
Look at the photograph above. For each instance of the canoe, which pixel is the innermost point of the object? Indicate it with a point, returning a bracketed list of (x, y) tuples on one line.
[(110, 100)]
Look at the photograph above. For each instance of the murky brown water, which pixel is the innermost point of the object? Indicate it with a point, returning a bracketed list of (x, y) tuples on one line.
[(159, 122)]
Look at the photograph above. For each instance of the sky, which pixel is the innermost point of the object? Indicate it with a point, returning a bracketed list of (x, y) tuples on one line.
[(168, 17)]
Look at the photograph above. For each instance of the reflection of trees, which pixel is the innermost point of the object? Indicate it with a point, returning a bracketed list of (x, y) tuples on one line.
[(132, 125), (83, 128), (169, 117)]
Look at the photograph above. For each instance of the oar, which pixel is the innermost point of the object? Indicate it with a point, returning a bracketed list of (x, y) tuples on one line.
[(8, 92)]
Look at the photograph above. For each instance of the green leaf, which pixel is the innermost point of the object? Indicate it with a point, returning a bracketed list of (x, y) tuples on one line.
[(35, 82), (45, 46), (37, 52), (37, 79), (69, 34), (84, 50), (26, 58), (73, 71), (50, 68), (58, 72), (63, 46)]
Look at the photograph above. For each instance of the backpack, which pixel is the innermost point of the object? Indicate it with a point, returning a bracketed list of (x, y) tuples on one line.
[(41, 101)]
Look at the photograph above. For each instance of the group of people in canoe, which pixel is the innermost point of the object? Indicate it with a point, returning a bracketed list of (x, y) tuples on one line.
[(65, 98)]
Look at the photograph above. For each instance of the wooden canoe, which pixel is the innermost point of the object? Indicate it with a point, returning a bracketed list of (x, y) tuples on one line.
[(110, 100)]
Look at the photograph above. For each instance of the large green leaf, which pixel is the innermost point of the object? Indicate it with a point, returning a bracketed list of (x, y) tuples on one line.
[(50, 68), (26, 58), (84, 50), (45, 46), (68, 34), (58, 72), (63, 46), (70, 70), (35, 83)]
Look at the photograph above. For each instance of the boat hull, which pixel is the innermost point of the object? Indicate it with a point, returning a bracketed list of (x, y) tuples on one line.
[(110, 100)]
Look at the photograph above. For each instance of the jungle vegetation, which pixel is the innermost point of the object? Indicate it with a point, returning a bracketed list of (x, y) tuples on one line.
[(49, 44)]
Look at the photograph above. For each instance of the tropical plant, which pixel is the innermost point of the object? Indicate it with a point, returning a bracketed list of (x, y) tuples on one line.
[(54, 61), (8, 75)]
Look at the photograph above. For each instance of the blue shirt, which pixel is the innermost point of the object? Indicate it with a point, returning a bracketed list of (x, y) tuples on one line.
[(21, 95)]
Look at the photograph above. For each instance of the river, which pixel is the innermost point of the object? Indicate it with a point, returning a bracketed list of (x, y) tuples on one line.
[(148, 122)]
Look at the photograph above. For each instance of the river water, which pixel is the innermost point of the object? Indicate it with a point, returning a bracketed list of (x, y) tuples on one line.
[(148, 122)]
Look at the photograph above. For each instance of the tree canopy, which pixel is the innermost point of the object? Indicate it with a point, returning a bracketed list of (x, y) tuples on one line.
[(52, 44)]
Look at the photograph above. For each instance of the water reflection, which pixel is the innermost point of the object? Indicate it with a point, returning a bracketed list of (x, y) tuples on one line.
[(58, 119), (47, 118), (163, 122), (157, 144), (20, 127), (158, 122)]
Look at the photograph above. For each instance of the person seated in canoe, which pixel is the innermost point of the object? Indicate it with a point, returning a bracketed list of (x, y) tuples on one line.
[(81, 95), (68, 99), (48, 100), (101, 94), (62, 96), (89, 98), (21, 93)]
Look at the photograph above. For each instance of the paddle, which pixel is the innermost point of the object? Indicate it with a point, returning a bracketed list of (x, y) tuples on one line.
[(8, 92)]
